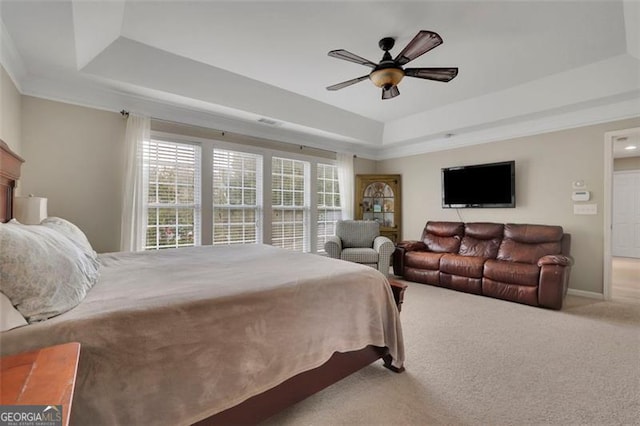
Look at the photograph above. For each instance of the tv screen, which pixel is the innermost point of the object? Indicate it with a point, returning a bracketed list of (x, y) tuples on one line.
[(480, 185)]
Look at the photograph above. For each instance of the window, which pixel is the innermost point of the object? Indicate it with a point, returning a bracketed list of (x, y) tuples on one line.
[(173, 203), (298, 212), (290, 203), (329, 211), (237, 195)]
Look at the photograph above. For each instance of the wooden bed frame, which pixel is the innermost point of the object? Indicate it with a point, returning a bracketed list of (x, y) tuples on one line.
[(259, 407), (10, 164)]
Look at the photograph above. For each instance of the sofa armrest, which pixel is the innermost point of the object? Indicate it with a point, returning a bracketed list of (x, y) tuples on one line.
[(411, 245), (554, 281), (333, 246), (555, 259), (384, 246), (398, 254)]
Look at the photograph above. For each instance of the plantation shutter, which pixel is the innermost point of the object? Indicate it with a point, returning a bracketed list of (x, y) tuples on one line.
[(290, 203), (173, 207), (329, 207), (237, 195)]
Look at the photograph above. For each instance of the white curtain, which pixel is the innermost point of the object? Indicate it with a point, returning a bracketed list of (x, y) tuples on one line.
[(133, 219), (345, 182)]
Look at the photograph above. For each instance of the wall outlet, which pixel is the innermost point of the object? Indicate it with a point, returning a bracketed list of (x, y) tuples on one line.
[(585, 209)]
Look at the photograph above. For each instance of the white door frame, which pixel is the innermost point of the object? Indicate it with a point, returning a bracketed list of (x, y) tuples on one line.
[(609, 138)]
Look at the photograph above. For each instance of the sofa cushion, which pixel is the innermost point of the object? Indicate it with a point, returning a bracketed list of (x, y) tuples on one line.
[(528, 243), (443, 237), (482, 248), (516, 293), (423, 260), (484, 230), (533, 234), (465, 266), (422, 276), (481, 239), (359, 255), (456, 282), (512, 272)]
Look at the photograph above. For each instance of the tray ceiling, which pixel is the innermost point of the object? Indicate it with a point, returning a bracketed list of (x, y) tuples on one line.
[(520, 62)]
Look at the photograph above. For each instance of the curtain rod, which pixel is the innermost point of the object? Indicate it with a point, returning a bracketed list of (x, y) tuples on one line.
[(125, 114)]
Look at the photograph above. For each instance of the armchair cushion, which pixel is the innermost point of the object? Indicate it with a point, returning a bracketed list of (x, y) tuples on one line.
[(360, 255), (357, 233)]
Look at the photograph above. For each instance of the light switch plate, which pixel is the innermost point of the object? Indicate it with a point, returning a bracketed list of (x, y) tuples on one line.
[(585, 209)]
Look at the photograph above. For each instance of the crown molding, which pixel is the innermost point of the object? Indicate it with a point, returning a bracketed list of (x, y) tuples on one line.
[(551, 122)]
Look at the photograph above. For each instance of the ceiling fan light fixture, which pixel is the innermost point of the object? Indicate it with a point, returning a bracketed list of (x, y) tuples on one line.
[(386, 77)]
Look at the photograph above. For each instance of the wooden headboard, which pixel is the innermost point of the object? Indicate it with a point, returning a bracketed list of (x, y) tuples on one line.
[(10, 164)]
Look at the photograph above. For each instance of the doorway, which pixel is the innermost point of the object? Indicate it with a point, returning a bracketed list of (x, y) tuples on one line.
[(622, 215)]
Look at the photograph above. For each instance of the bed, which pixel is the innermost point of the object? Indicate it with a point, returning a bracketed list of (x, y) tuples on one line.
[(214, 335)]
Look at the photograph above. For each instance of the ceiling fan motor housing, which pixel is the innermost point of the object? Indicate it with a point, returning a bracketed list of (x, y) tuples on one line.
[(387, 43), (386, 74)]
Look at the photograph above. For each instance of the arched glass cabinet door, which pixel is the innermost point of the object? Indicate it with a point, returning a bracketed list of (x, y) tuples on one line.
[(378, 198)]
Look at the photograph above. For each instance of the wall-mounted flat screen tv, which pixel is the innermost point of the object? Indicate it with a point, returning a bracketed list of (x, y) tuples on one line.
[(479, 186)]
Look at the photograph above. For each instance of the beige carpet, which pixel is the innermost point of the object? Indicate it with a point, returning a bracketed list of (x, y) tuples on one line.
[(474, 360)]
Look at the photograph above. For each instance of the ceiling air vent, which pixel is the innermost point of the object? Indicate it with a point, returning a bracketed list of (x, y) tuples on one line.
[(269, 122)]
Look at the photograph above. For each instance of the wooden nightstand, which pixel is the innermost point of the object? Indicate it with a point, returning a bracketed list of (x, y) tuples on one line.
[(45, 376)]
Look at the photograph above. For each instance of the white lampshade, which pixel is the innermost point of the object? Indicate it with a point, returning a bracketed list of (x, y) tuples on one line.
[(30, 210)]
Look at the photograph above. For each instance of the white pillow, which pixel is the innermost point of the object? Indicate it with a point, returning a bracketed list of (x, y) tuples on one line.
[(9, 316), (76, 236), (72, 232), (42, 271)]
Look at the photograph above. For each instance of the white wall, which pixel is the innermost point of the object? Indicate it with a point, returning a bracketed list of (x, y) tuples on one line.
[(74, 157), (363, 166), (546, 166), (10, 113)]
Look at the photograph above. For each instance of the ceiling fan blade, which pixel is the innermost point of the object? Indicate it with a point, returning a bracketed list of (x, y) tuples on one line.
[(347, 83), (437, 74), (351, 57), (390, 93), (423, 42)]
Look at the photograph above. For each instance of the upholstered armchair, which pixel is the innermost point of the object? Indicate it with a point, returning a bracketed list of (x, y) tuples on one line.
[(360, 241)]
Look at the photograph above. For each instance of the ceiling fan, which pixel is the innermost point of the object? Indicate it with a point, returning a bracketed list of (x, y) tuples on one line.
[(388, 73)]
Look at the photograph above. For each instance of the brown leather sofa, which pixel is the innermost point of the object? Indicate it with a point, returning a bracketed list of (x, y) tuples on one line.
[(522, 263)]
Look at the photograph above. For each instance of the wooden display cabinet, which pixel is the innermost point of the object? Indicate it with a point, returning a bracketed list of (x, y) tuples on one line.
[(378, 198)]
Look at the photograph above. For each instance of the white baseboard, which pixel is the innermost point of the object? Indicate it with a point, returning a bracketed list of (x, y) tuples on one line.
[(582, 293)]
